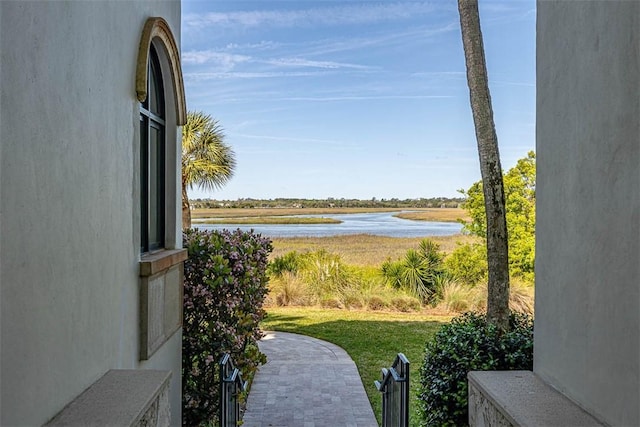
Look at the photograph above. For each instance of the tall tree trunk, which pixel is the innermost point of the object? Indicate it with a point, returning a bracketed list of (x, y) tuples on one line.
[(186, 208), (497, 248)]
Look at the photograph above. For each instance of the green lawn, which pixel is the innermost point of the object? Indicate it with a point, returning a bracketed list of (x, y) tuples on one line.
[(372, 339)]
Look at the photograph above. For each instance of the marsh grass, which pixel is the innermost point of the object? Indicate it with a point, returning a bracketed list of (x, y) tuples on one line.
[(440, 214), (371, 338), (284, 220), (257, 212), (419, 214), (459, 298), (364, 249)]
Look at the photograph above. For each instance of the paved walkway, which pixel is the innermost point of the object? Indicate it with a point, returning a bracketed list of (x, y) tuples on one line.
[(306, 382)]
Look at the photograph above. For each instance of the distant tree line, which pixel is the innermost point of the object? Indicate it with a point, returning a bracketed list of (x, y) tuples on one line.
[(434, 202)]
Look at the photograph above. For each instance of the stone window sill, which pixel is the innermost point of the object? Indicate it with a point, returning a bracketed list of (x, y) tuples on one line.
[(155, 262)]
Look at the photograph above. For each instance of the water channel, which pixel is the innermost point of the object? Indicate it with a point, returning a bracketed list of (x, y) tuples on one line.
[(379, 224)]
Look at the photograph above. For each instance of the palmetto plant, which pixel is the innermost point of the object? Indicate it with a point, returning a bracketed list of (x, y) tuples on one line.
[(419, 272), (207, 162)]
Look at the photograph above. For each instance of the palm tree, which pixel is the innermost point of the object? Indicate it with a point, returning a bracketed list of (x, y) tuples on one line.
[(491, 170), (207, 162)]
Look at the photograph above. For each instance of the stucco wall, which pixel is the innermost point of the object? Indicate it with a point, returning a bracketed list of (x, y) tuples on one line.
[(588, 205), (70, 221)]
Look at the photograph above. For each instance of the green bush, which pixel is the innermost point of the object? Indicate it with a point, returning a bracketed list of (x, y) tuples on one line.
[(467, 263), (287, 263), (418, 272), (225, 284), (325, 274), (520, 206), (468, 343)]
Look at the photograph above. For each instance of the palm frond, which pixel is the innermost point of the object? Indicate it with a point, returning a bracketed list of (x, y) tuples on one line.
[(207, 162)]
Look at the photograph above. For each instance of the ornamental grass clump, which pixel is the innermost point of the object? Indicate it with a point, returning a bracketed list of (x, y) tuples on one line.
[(225, 285), (468, 343)]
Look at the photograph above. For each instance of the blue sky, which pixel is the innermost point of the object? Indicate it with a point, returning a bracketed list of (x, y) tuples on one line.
[(355, 99)]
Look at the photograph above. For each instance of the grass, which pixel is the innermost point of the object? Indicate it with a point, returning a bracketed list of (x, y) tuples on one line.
[(424, 214), (372, 339), (440, 214), (269, 220), (364, 249)]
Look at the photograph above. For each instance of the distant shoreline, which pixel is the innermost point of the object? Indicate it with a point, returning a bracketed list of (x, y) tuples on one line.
[(275, 215)]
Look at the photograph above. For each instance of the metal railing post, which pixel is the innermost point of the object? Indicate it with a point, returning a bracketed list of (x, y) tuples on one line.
[(394, 387), (231, 385)]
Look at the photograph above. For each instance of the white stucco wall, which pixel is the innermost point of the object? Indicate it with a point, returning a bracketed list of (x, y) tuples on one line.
[(587, 331), (69, 195)]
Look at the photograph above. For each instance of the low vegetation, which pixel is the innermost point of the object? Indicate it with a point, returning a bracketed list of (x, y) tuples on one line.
[(448, 274), (269, 220), (330, 203), (224, 289), (421, 277), (365, 250), (468, 343), (372, 339)]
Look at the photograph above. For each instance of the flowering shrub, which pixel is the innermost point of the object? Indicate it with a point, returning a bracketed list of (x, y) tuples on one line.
[(225, 285)]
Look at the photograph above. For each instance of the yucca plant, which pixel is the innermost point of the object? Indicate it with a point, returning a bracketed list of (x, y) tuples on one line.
[(419, 272)]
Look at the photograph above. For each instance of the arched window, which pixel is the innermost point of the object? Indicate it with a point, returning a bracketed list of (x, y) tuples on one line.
[(152, 159), (160, 92), (162, 111)]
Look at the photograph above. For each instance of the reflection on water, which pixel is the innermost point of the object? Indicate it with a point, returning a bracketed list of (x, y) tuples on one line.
[(380, 224)]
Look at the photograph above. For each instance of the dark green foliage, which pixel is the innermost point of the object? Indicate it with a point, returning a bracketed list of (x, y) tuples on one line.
[(419, 272), (225, 285), (520, 203), (289, 262), (468, 343)]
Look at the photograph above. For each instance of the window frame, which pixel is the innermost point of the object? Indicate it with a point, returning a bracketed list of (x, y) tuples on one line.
[(153, 159)]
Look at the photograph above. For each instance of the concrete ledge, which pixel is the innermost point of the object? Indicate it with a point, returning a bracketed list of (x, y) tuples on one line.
[(121, 398), (156, 262), (520, 398)]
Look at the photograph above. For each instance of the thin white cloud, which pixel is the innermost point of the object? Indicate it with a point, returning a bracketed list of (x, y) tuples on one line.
[(214, 75), (362, 98), (289, 139), (358, 14), (302, 63), (375, 41), (225, 61), (262, 45)]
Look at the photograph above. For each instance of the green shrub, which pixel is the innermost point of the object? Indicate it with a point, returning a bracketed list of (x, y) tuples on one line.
[(324, 273), (467, 264), (287, 263), (468, 343), (225, 285), (418, 272)]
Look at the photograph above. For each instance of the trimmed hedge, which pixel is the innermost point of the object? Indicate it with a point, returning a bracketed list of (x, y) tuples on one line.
[(468, 343), (225, 285)]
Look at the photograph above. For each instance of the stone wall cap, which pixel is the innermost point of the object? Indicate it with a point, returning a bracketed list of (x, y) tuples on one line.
[(525, 400), (119, 398)]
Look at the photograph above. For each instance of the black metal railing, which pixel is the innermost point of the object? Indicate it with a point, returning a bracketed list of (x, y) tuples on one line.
[(231, 385), (395, 393)]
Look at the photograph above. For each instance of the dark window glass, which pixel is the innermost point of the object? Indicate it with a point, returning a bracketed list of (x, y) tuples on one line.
[(152, 160)]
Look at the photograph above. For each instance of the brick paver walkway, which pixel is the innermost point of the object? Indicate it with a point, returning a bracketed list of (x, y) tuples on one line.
[(306, 382)]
